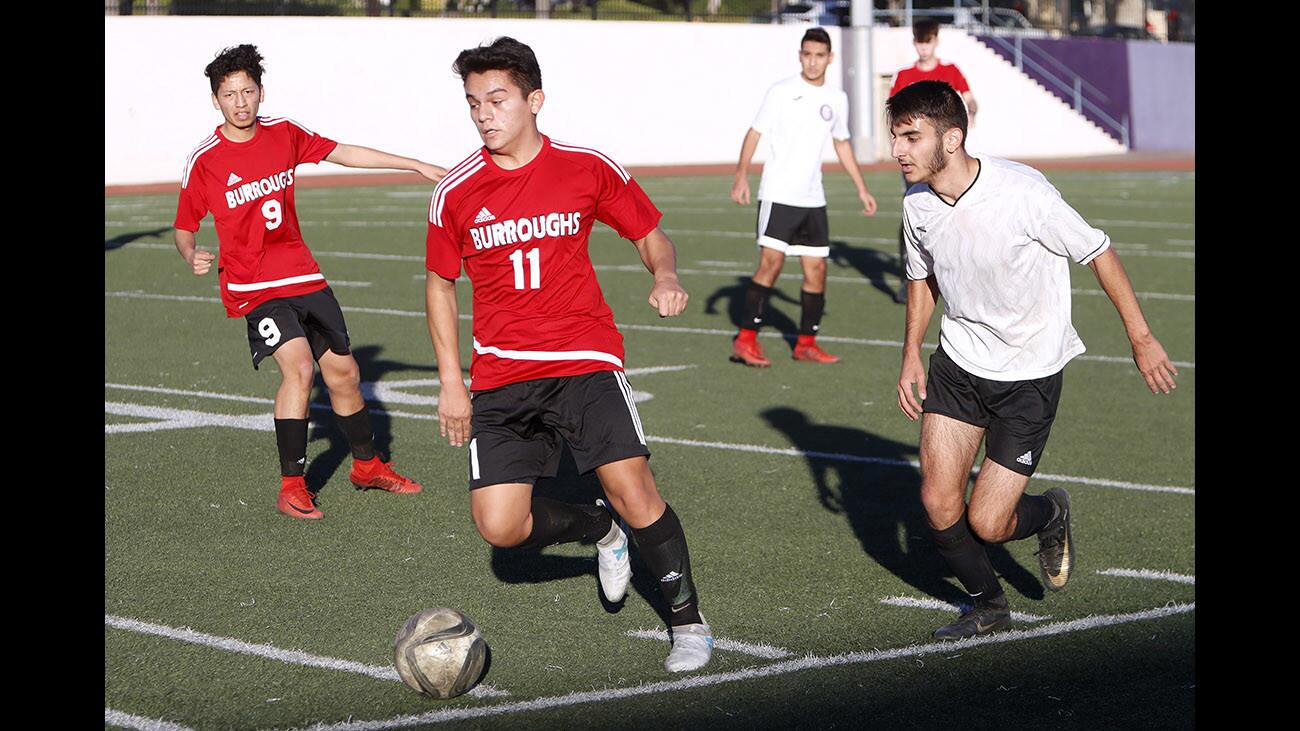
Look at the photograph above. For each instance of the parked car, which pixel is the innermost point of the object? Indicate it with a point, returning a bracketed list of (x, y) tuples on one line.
[(818, 12)]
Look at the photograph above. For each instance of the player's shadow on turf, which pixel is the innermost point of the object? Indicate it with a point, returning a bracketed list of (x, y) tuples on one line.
[(324, 426), (519, 566), (118, 242), (879, 493), (872, 264), (772, 317)]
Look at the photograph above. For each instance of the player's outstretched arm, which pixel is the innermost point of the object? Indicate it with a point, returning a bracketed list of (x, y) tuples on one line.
[(356, 156), (443, 316), (200, 261), (971, 106), (922, 294), (660, 257), (844, 151), (740, 186), (1148, 354)]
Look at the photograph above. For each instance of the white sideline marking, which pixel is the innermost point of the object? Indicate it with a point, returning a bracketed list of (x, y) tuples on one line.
[(1142, 224), (912, 602), (808, 662), (292, 657), (126, 720), (761, 649), (1149, 574), (347, 283), (179, 415)]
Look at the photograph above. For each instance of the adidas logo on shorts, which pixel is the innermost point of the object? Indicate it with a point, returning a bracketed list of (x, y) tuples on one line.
[(672, 576), (484, 215), (1026, 458)]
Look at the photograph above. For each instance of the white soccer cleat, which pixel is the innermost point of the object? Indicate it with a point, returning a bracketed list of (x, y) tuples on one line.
[(612, 562), (692, 648)]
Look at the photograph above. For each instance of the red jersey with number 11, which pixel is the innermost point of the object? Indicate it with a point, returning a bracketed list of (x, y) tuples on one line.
[(522, 234), (248, 187)]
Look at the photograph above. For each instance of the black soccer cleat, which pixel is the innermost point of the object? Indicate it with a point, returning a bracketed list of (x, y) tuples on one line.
[(983, 618), (1055, 546)]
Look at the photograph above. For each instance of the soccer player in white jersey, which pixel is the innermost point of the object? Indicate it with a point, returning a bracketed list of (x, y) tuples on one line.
[(798, 114), (243, 173), (995, 239), (547, 369)]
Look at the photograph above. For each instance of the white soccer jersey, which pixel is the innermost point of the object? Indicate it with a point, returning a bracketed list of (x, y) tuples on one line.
[(999, 255), (795, 119)]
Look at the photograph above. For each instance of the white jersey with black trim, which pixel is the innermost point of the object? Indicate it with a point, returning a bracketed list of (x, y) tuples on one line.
[(795, 121), (1001, 256)]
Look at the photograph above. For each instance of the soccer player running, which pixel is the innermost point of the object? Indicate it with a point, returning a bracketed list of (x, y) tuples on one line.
[(243, 173), (796, 116), (995, 239), (547, 368)]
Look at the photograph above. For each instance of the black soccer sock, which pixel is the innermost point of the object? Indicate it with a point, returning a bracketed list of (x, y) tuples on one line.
[(1033, 512), (663, 548), (556, 522), (810, 318), (291, 439), (755, 302), (968, 560), (356, 428)]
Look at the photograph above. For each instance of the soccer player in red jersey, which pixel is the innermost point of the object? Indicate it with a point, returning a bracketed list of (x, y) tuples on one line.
[(547, 368), (243, 173)]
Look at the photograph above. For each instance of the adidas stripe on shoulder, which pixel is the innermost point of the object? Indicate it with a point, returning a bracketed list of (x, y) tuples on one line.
[(203, 147), (272, 121), (594, 153), (463, 171)]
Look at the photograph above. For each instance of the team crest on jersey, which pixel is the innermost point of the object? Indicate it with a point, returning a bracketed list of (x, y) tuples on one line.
[(826, 112)]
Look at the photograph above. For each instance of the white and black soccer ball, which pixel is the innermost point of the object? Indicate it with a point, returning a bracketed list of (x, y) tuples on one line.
[(440, 653)]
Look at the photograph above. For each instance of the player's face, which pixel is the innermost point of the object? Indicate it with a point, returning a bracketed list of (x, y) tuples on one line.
[(925, 49), (814, 57), (918, 148), (238, 98), (500, 110)]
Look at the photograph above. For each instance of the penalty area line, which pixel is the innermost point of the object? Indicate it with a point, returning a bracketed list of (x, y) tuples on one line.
[(127, 720), (809, 662)]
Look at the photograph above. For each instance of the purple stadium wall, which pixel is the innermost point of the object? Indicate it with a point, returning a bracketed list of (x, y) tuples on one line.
[(1162, 80)]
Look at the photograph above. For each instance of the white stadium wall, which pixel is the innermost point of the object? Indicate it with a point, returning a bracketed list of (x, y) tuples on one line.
[(645, 93)]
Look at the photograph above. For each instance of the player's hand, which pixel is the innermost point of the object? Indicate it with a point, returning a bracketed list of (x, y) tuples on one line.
[(913, 373), (740, 190), (432, 172), (201, 262), (868, 203), (668, 297), (1154, 364), (453, 413)]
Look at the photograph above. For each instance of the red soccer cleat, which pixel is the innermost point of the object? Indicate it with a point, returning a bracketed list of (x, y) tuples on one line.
[(745, 349), (295, 500), (808, 350), (376, 473)]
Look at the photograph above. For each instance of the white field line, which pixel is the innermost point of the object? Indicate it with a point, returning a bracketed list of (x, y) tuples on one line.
[(198, 418), (291, 657), (808, 662), (347, 283), (761, 649), (126, 720), (626, 326), (913, 602), (1181, 242), (1149, 574)]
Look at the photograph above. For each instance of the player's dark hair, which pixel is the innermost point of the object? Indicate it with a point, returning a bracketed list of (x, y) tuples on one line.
[(925, 29), (817, 34), (934, 100), (503, 54), (237, 58)]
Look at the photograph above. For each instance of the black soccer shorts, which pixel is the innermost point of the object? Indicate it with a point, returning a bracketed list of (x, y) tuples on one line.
[(315, 316), (517, 430), (792, 230), (1017, 415)]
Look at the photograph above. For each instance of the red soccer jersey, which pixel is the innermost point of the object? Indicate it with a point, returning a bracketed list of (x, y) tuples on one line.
[(943, 72), (248, 187), (538, 309)]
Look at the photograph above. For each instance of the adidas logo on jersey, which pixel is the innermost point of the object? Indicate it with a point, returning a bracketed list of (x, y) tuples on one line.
[(672, 576), (484, 215), (233, 179), (523, 230), (1026, 458)]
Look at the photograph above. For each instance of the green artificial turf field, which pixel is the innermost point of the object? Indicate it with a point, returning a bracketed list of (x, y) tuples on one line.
[(796, 486)]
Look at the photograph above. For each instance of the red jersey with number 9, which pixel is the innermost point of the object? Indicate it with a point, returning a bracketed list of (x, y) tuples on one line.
[(248, 188), (522, 235)]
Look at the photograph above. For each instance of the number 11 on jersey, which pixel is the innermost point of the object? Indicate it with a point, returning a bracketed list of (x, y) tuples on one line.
[(534, 268)]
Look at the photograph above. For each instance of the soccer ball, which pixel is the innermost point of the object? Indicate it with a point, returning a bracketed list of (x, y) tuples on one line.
[(440, 653)]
